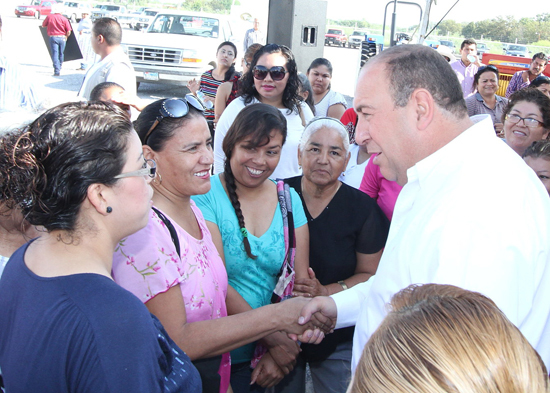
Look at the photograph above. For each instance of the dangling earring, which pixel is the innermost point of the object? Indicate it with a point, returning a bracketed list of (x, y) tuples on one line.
[(109, 209)]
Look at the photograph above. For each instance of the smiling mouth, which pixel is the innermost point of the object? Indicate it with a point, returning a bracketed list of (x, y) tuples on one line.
[(201, 174), (255, 172), (519, 133)]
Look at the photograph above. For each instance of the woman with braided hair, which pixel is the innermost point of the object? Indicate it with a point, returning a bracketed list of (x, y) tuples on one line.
[(244, 215)]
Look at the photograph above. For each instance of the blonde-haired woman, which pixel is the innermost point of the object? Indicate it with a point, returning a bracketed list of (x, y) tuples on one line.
[(441, 338)]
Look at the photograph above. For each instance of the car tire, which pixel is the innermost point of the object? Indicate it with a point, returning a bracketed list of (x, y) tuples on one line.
[(19, 16), (37, 14)]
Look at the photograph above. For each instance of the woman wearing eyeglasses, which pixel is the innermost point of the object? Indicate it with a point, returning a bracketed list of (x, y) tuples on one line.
[(244, 214), (327, 101), (173, 265), (542, 83), (526, 119), (486, 101), (272, 79), (65, 326)]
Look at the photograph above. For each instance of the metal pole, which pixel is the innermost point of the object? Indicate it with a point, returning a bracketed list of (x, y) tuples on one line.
[(425, 20), (393, 22)]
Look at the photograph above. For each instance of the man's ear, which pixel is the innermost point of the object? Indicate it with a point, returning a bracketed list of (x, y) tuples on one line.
[(98, 195), (424, 106)]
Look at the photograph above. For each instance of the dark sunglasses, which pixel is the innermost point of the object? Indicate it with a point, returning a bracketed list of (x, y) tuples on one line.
[(175, 108), (277, 73), (490, 67)]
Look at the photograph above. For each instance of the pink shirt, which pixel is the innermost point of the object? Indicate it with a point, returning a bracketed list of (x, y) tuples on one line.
[(465, 76), (146, 264), (376, 186)]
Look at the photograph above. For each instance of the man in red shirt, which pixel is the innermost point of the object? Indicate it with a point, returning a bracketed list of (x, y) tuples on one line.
[(59, 29)]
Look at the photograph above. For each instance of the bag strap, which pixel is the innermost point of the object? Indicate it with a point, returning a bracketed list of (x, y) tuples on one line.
[(301, 113), (171, 229)]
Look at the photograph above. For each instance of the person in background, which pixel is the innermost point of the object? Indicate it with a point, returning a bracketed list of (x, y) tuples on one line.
[(466, 67), (327, 102), (542, 83), (442, 231), (212, 79), (113, 65), (228, 91), (537, 156), (446, 52), (522, 79), (114, 93), (338, 259), (353, 174), (84, 38), (441, 338), (59, 29), (306, 92), (79, 172), (271, 79), (486, 100), (526, 119), (244, 213), (17, 89), (253, 36)]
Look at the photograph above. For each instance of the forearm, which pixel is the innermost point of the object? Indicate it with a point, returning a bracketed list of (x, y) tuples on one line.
[(349, 282)]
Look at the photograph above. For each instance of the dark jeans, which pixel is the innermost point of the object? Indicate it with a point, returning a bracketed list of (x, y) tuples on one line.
[(57, 44)]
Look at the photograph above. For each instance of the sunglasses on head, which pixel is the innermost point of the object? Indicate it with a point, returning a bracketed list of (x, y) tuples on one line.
[(175, 108), (490, 67), (277, 73)]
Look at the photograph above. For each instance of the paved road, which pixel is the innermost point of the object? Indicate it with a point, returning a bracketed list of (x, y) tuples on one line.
[(22, 40)]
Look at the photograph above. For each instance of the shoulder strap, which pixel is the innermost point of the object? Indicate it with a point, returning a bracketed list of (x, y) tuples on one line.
[(171, 229), (301, 113)]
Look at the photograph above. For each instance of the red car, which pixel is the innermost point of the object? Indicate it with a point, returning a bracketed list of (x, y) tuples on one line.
[(36, 9)]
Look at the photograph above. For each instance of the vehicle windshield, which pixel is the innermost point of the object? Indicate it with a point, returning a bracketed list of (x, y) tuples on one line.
[(359, 33), (481, 46), (186, 24), (332, 31), (517, 48), (110, 7), (150, 13), (35, 2)]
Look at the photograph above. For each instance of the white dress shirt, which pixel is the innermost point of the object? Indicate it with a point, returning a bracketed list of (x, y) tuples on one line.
[(473, 215)]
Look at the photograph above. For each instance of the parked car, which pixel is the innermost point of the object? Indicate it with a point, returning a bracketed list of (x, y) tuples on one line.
[(108, 11), (517, 50), (177, 46), (482, 48), (143, 20), (356, 38), (37, 8), (449, 44), (73, 10), (336, 37)]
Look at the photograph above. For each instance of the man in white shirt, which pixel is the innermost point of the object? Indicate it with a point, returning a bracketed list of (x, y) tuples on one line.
[(253, 36), (114, 64), (471, 213)]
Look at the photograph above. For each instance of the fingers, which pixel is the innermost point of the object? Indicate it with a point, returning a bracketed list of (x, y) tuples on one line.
[(311, 273)]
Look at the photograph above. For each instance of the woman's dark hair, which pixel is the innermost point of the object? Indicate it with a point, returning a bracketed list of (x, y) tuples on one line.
[(291, 99), (321, 61), (481, 71), (251, 51), (257, 121), (57, 157), (540, 80), (538, 149), (534, 96), (98, 90), (306, 86), (231, 71), (166, 128)]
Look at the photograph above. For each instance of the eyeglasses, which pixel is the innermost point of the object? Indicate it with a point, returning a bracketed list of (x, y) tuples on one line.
[(247, 63), (529, 122), (149, 169), (277, 73), (175, 108)]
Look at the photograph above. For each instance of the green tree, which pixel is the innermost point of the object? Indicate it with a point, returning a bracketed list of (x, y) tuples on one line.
[(449, 26)]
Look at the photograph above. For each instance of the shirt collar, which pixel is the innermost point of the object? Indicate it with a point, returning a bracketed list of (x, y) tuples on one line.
[(480, 98)]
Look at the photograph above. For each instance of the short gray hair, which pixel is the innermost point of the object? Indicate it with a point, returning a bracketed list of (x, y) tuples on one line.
[(317, 123)]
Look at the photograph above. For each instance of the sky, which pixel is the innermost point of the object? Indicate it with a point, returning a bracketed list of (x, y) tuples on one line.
[(464, 11)]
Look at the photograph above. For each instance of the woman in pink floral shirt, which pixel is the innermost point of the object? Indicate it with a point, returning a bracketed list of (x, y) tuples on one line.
[(172, 264)]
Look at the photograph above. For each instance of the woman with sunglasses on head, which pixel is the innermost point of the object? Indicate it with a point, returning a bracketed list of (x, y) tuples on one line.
[(172, 265), (212, 79), (272, 79), (65, 326), (542, 83), (228, 91), (327, 101), (243, 213), (486, 100), (526, 119)]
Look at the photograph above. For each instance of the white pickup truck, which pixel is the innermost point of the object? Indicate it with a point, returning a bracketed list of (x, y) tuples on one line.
[(176, 47)]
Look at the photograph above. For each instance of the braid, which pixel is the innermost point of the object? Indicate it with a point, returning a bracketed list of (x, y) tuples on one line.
[(232, 191)]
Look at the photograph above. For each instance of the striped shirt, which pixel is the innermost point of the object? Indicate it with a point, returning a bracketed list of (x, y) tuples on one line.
[(476, 106), (209, 86)]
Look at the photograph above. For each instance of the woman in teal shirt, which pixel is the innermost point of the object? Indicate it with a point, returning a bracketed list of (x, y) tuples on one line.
[(243, 213)]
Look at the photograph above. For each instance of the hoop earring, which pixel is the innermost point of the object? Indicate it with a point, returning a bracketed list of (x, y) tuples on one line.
[(158, 179)]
